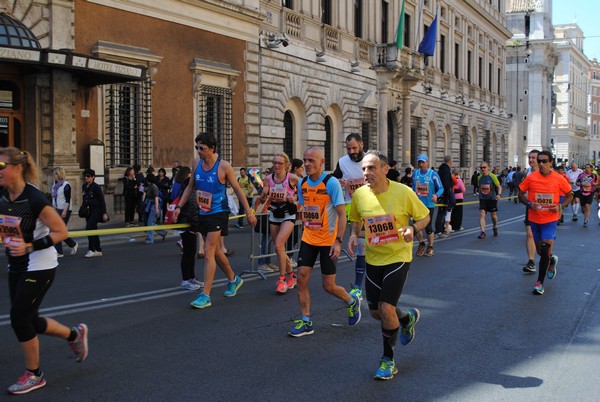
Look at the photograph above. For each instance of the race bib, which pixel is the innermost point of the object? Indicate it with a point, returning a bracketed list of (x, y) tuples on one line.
[(10, 227), (277, 194), (381, 229), (203, 199), (353, 184), (312, 218), (485, 189), (546, 201), (422, 189)]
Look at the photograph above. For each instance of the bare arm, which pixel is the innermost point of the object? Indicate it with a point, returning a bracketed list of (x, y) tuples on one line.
[(58, 231)]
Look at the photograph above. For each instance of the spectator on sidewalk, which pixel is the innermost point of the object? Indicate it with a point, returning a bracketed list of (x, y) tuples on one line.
[(93, 195), (130, 185), (61, 201)]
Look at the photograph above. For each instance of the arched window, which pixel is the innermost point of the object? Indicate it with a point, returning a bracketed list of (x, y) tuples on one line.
[(288, 141), (327, 143)]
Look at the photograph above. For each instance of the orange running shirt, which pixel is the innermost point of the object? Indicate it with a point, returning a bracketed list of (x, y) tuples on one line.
[(546, 190)]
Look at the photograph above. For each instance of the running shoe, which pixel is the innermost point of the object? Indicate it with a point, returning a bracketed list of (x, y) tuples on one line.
[(429, 252), (574, 218), (301, 328), (387, 369), (291, 281), (189, 285), (232, 287), (354, 311), (80, 345), (180, 245), (293, 263), (585, 224), (551, 273), (356, 291), (74, 249), (529, 268), (202, 301), (264, 268), (281, 287), (421, 250), (538, 289), (197, 282), (495, 232), (59, 255), (27, 383), (481, 235), (237, 225), (407, 332)]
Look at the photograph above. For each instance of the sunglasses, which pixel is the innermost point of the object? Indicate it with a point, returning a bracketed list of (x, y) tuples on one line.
[(88, 175), (4, 164), (543, 160), (483, 167), (200, 147)]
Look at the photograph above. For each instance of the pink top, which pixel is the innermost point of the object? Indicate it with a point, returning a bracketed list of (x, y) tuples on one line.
[(459, 189)]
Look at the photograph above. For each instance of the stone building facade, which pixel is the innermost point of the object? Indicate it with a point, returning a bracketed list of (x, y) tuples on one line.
[(594, 112)]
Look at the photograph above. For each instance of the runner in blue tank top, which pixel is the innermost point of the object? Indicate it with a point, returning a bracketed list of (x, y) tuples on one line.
[(211, 175)]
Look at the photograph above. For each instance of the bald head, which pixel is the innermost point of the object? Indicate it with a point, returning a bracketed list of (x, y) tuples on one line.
[(314, 162)]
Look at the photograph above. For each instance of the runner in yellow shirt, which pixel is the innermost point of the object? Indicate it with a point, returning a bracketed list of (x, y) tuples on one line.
[(384, 208)]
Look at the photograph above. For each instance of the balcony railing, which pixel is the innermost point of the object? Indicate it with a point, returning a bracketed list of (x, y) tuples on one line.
[(293, 23)]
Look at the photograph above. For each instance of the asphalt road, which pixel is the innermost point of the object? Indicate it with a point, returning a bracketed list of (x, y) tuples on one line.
[(482, 336)]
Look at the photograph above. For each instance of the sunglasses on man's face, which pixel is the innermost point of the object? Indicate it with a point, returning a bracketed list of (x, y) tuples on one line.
[(483, 167), (3, 165), (88, 175), (543, 160), (200, 147)]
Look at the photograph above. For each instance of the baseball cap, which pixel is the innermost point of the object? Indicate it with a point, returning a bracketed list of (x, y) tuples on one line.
[(422, 158)]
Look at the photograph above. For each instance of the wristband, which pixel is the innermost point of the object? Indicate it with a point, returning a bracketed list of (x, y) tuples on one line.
[(42, 243), (177, 206), (339, 239), (414, 228), (251, 213)]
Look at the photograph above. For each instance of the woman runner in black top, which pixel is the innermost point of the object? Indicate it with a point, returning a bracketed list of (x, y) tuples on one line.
[(29, 227)]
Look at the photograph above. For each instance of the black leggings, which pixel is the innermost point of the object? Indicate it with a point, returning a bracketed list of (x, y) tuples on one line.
[(27, 290), (385, 283), (188, 258)]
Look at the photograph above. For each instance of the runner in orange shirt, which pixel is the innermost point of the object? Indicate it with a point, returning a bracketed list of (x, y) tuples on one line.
[(544, 189)]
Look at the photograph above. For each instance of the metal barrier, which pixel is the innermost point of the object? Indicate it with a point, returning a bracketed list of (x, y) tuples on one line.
[(261, 242)]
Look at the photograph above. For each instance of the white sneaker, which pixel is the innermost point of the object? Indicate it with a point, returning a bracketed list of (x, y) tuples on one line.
[(90, 254), (60, 255), (264, 268), (98, 253), (197, 282), (74, 249), (273, 267), (293, 263), (189, 285)]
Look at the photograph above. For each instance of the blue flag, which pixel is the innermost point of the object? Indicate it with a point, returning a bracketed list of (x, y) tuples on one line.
[(427, 45)]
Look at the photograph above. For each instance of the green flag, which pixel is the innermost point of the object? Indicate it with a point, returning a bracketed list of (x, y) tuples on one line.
[(399, 34)]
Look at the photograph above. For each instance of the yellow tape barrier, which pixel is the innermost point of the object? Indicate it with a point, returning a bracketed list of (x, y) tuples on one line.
[(178, 226)]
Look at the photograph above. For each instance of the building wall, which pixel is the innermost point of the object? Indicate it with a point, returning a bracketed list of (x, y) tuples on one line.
[(172, 93), (594, 112)]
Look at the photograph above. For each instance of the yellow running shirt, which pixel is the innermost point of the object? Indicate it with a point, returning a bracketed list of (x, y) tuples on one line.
[(370, 209)]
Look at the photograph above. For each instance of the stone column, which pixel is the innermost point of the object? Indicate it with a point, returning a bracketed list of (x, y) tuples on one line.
[(382, 124), (406, 137)]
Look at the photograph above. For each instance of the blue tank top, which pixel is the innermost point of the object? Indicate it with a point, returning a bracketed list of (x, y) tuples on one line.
[(209, 182)]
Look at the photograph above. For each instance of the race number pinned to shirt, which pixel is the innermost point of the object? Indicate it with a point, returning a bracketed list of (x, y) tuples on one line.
[(10, 227), (422, 189), (381, 229), (203, 199), (353, 184), (545, 201), (312, 218), (485, 189), (277, 194)]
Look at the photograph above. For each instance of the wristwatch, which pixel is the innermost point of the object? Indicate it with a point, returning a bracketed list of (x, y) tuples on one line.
[(339, 239), (29, 249)]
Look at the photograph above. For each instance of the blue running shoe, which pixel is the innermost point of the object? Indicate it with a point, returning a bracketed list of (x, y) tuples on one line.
[(387, 369), (538, 289), (232, 287), (301, 328), (356, 291), (354, 311), (407, 332), (202, 301), (551, 273)]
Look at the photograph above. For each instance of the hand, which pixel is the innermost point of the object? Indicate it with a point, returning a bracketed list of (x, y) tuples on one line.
[(16, 247), (352, 243), (63, 214), (176, 214), (434, 198), (252, 220), (407, 233), (334, 252)]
